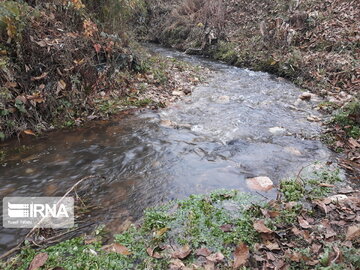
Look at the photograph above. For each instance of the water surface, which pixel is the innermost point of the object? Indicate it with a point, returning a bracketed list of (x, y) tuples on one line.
[(218, 137)]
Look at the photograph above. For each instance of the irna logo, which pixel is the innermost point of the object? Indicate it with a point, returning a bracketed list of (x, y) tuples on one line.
[(34, 210), (42, 212)]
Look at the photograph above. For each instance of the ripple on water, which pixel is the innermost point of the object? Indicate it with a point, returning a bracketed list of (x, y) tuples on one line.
[(216, 138)]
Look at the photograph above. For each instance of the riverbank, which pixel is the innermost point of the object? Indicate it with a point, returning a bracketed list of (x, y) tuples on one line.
[(60, 67), (305, 228), (314, 44)]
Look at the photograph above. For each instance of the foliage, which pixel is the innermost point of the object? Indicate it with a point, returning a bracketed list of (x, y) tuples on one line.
[(309, 187), (348, 118), (115, 15), (212, 226)]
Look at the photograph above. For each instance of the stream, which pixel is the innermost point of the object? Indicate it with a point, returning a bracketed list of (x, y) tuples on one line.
[(239, 124)]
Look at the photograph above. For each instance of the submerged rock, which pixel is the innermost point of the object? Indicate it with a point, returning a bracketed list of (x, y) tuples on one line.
[(305, 96), (277, 131), (292, 150), (260, 183), (166, 123), (222, 99)]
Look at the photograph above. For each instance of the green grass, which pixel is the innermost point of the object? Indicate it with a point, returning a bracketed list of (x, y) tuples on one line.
[(195, 221)]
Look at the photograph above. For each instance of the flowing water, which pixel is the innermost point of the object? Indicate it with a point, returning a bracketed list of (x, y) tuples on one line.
[(215, 138)]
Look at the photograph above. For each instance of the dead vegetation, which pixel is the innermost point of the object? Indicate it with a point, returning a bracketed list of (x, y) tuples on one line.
[(65, 62), (189, 24), (55, 60), (313, 43)]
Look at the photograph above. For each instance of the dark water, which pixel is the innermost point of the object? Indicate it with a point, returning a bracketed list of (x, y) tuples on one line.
[(219, 136)]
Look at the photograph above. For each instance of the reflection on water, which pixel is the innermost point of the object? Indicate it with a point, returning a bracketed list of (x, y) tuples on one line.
[(219, 137)]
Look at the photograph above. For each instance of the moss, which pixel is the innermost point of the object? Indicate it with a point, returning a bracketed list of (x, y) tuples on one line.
[(195, 221), (226, 52)]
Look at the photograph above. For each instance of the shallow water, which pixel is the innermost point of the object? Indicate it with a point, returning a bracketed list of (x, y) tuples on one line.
[(219, 136)]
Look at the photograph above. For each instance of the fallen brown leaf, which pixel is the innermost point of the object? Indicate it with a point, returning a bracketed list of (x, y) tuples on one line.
[(161, 232), (303, 223), (226, 227), (260, 226), (353, 232), (152, 253), (182, 253), (29, 132), (241, 255), (272, 246), (216, 257), (117, 248), (353, 143), (38, 261), (176, 264), (203, 252), (270, 256)]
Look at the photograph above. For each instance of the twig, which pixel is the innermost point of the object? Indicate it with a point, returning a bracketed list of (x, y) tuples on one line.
[(67, 193), (18, 246)]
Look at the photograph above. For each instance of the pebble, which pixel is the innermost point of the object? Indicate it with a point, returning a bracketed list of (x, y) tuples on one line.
[(178, 93), (338, 197), (166, 123), (223, 99)]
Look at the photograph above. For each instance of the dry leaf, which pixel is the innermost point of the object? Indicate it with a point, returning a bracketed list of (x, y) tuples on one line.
[(216, 257), (29, 132), (226, 227), (303, 223), (241, 255), (203, 252), (117, 248), (176, 264), (259, 226), (182, 253), (209, 266), (21, 98), (161, 232), (151, 252), (11, 84), (353, 232), (38, 261), (41, 43), (272, 246), (353, 143)]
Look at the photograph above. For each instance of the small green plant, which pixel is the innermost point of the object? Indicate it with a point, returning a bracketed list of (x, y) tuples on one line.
[(2, 155), (349, 119), (292, 190), (316, 185)]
